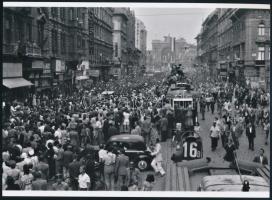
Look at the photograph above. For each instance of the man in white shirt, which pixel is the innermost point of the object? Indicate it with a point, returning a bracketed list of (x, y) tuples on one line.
[(157, 161), (109, 164), (83, 180), (214, 136)]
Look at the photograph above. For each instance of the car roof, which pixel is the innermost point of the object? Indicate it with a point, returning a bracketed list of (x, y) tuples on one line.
[(127, 138), (233, 183)]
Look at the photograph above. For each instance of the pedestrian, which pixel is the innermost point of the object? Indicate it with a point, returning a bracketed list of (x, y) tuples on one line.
[(26, 178), (134, 180), (163, 128), (157, 160), (60, 185), (230, 152), (84, 181), (59, 159), (148, 183), (154, 135), (67, 159), (11, 185), (109, 163), (146, 128), (261, 158), (202, 108), (266, 127), (112, 130), (122, 163), (212, 103), (39, 183), (74, 171), (214, 134), (251, 134)]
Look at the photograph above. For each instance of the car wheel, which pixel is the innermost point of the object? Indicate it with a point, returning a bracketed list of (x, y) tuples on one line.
[(142, 165)]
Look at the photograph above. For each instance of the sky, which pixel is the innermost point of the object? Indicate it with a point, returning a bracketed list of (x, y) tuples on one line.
[(178, 22)]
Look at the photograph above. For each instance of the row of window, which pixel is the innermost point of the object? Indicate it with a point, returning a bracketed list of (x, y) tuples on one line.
[(81, 42), (23, 31)]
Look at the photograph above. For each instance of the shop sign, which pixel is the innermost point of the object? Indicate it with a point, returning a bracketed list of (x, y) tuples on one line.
[(12, 70), (37, 64), (60, 66), (94, 72), (47, 69)]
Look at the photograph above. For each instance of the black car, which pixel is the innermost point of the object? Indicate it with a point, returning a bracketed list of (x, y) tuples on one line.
[(135, 149)]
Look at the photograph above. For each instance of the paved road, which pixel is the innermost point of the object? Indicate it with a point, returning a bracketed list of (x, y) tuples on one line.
[(243, 152)]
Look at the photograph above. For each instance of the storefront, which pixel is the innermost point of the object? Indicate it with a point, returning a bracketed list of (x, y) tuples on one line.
[(14, 85)]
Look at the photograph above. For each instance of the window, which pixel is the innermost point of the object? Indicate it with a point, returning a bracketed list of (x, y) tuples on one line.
[(261, 29), (20, 30), (78, 13), (8, 34), (268, 53), (78, 42), (29, 32), (260, 53), (54, 12), (116, 49), (71, 14), (72, 43), (83, 44), (63, 43), (54, 41), (62, 14)]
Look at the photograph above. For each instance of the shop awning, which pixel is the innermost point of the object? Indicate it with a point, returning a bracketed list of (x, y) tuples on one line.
[(16, 82), (82, 77)]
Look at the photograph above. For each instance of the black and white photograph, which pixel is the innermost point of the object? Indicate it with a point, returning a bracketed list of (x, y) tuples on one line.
[(135, 99)]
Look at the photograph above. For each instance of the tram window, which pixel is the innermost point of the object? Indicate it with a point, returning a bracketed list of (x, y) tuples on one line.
[(176, 104)]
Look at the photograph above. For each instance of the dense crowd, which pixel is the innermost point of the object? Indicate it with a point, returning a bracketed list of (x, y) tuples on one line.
[(50, 143), (239, 111)]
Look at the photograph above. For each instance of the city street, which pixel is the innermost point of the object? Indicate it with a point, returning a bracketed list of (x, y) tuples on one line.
[(217, 156), (92, 95)]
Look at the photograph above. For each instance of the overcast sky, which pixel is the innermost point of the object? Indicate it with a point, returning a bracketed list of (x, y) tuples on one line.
[(178, 22)]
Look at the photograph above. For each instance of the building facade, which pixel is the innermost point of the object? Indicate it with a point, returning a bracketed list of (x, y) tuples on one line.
[(243, 45), (101, 47), (120, 42), (140, 42), (172, 51), (251, 45), (50, 44)]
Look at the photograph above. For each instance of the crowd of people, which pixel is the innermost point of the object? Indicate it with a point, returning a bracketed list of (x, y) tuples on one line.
[(240, 110), (51, 143)]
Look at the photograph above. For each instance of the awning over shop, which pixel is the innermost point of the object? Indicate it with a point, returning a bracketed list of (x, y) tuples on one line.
[(16, 82), (82, 78)]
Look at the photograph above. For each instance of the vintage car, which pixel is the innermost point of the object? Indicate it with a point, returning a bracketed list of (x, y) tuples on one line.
[(135, 149)]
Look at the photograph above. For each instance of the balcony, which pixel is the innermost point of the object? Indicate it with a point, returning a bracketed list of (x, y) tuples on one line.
[(10, 49), (263, 39), (31, 49)]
